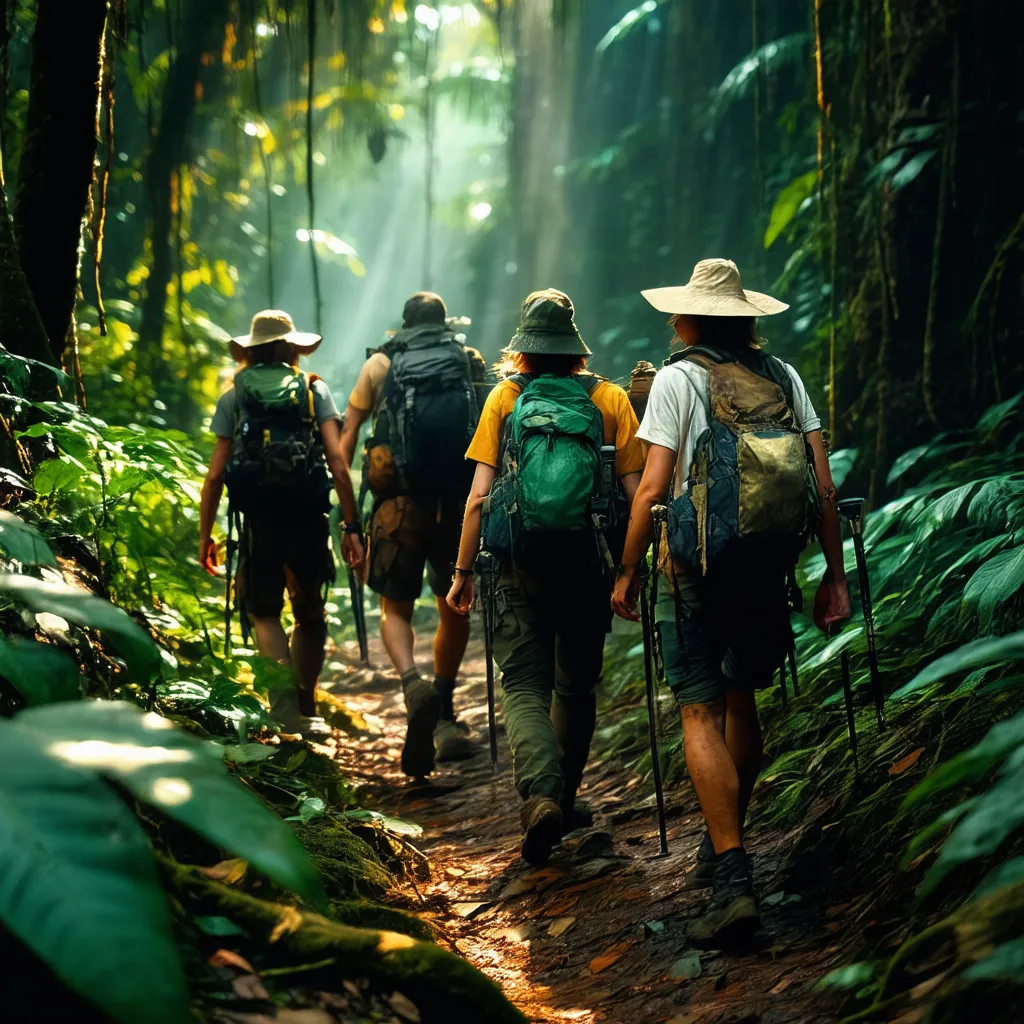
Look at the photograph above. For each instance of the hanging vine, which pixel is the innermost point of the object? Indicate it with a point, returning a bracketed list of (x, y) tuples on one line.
[(310, 195)]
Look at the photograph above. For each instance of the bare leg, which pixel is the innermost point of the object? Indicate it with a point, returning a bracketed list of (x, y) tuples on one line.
[(307, 651), (713, 773), (743, 738), (271, 639), (449, 641), (397, 633)]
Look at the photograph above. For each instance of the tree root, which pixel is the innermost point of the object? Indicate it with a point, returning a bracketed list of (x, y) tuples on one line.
[(442, 985)]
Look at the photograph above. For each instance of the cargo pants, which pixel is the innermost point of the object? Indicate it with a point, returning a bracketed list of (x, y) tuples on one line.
[(549, 639)]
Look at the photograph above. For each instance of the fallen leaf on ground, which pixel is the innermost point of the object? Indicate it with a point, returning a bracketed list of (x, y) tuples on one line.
[(561, 926), (229, 958), (469, 910), (227, 871), (404, 1007), (289, 921), (906, 762), (782, 986), (249, 986), (605, 960), (686, 967), (454, 872)]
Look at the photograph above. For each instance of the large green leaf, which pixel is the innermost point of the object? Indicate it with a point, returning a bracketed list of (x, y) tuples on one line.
[(996, 415), (22, 542), (627, 24), (41, 673), (78, 886), (987, 651), (995, 582), (79, 606), (184, 776), (1004, 963), (58, 475), (788, 204), (995, 816)]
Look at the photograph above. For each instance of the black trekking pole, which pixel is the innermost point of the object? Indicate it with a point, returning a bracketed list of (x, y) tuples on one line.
[(485, 566), (229, 564), (792, 670), (852, 510), (844, 661), (355, 591), (782, 684), (659, 513)]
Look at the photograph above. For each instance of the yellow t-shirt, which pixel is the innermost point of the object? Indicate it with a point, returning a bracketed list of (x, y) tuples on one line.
[(620, 425)]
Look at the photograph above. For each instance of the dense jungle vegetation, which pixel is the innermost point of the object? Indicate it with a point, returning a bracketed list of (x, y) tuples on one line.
[(167, 167)]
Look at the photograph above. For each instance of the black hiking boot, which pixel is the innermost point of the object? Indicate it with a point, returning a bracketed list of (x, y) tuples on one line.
[(702, 874), (732, 916), (576, 814), (541, 818), (422, 708)]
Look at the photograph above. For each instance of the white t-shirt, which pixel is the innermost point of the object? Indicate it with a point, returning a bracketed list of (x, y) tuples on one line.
[(677, 412)]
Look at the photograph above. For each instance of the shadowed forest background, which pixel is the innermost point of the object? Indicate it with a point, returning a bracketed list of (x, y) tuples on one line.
[(168, 167)]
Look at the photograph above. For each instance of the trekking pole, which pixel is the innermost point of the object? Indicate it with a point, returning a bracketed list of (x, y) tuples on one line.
[(852, 510), (485, 564), (660, 514), (844, 661), (782, 684), (792, 670), (229, 563), (355, 590)]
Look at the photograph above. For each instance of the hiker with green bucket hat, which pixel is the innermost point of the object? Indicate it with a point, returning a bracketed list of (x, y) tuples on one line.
[(557, 461)]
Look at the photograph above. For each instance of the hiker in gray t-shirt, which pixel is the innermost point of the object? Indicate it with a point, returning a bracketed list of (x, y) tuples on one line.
[(733, 439)]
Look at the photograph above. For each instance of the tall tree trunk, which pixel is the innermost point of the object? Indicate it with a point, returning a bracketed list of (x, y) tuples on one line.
[(201, 31), (21, 329), (56, 166)]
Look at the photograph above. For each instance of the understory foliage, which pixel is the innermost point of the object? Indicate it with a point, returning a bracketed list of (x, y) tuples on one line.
[(926, 814), (128, 754)]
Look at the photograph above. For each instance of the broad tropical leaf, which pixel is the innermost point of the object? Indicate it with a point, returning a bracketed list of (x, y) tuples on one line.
[(185, 777), (1004, 963), (22, 542), (766, 60), (627, 24), (996, 415), (995, 582), (788, 204), (84, 609), (986, 651), (79, 887), (41, 673)]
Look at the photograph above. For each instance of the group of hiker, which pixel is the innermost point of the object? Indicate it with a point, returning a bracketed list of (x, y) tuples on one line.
[(546, 491)]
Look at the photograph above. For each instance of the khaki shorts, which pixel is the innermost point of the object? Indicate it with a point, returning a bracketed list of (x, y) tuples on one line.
[(407, 535)]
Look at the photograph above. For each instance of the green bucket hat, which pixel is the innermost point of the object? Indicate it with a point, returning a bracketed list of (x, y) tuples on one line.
[(546, 326)]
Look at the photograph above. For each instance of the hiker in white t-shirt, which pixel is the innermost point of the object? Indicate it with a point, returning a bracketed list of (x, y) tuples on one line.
[(736, 450)]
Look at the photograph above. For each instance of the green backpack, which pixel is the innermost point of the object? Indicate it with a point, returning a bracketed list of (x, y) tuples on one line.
[(277, 458), (553, 475)]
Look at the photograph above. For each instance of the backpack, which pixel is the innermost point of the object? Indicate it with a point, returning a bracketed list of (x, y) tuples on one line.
[(556, 473), (752, 497), (277, 458), (426, 416)]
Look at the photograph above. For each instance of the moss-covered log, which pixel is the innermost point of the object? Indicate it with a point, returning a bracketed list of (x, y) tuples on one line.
[(442, 985)]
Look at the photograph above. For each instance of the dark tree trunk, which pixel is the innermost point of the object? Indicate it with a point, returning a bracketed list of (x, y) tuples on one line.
[(21, 329), (56, 166), (203, 24)]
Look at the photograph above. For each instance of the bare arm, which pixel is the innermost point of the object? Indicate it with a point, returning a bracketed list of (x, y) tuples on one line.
[(351, 543), (651, 491), (630, 482), (830, 535), (354, 419), (460, 597), (209, 501)]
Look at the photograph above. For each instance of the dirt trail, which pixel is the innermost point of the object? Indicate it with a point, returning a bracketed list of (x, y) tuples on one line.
[(597, 934)]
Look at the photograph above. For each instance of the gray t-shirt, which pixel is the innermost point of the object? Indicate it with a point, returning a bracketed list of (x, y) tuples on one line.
[(677, 412), (223, 422)]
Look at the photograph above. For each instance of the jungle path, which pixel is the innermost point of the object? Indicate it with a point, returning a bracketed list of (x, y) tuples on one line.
[(597, 935)]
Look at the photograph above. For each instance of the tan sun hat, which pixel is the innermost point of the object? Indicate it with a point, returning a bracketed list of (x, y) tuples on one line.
[(276, 325), (714, 290)]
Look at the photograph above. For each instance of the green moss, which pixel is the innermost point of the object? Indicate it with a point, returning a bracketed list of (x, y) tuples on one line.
[(367, 914), (349, 867)]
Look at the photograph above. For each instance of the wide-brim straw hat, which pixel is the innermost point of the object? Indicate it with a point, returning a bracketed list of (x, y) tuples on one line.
[(715, 289), (547, 326), (276, 325)]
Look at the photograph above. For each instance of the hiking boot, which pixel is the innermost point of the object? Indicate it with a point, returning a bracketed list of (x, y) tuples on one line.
[(452, 742), (702, 874), (576, 814), (732, 915), (422, 708), (541, 818)]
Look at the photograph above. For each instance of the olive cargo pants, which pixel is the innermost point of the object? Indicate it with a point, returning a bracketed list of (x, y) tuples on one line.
[(549, 640)]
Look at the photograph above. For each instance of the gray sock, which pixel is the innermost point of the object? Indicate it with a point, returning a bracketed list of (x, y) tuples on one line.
[(410, 676)]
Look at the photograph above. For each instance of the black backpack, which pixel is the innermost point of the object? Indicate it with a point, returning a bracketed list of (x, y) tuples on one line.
[(277, 458), (425, 417)]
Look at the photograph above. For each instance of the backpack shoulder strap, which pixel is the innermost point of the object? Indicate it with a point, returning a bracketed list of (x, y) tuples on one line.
[(522, 380), (703, 355), (307, 382), (590, 382)]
